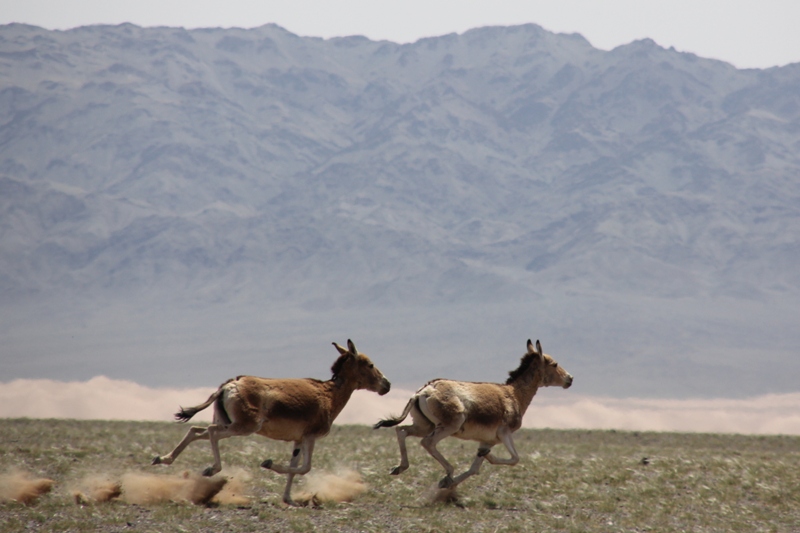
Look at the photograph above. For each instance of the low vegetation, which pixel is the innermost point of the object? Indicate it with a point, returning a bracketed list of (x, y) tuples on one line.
[(582, 481)]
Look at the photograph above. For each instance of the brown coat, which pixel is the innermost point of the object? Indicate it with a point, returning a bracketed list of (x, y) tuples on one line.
[(295, 410), (484, 412)]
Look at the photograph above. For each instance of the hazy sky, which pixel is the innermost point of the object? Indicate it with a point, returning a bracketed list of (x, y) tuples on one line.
[(747, 33)]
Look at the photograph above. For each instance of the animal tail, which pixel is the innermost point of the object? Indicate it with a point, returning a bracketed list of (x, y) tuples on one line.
[(389, 422), (187, 413)]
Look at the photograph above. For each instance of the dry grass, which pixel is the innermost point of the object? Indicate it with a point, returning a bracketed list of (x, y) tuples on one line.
[(566, 481)]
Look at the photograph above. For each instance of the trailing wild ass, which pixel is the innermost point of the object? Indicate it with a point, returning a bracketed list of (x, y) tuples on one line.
[(294, 410), (484, 412)]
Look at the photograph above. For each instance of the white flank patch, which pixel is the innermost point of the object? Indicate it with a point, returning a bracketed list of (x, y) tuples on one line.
[(107, 399)]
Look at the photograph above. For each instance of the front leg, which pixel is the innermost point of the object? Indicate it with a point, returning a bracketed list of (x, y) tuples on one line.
[(287, 496), (508, 442)]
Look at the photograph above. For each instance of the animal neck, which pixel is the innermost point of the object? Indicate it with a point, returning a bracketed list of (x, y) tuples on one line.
[(341, 390), (525, 387)]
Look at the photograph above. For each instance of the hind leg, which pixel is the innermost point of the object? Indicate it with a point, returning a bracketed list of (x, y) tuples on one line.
[(448, 416), (412, 430), (217, 433), (430, 442), (306, 447), (194, 433)]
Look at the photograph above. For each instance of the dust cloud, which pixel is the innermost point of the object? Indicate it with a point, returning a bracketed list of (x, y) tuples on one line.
[(22, 487), (322, 487), (436, 495), (227, 488), (145, 489), (96, 488), (235, 492), (108, 399)]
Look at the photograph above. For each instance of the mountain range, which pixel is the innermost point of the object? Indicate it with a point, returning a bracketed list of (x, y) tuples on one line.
[(180, 205)]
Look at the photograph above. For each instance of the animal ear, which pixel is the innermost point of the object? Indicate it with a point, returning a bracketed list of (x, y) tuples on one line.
[(535, 351), (342, 351), (352, 347)]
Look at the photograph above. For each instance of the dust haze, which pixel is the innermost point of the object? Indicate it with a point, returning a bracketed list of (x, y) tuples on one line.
[(22, 487), (101, 398)]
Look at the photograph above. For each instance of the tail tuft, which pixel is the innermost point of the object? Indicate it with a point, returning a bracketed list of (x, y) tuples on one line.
[(387, 423), (185, 414), (188, 412)]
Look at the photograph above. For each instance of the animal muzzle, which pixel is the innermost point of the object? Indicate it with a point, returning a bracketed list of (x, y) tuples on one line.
[(384, 387), (567, 382)]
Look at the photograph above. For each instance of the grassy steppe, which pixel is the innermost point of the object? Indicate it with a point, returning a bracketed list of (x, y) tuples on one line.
[(566, 481)]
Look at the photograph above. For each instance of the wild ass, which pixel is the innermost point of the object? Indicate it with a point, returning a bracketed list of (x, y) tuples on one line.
[(484, 412), (293, 410)]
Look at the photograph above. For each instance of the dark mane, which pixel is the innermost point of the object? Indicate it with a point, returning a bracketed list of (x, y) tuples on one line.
[(524, 364), (338, 364)]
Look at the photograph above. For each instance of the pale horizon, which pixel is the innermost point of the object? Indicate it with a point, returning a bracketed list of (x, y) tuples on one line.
[(102, 398)]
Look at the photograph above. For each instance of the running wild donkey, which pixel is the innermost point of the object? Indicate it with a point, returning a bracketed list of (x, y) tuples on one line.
[(484, 412), (293, 410)]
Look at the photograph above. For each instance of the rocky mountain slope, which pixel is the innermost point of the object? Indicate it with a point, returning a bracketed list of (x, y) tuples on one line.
[(501, 184)]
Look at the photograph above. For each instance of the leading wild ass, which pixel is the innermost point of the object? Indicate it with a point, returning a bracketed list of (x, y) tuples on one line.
[(484, 412), (292, 410)]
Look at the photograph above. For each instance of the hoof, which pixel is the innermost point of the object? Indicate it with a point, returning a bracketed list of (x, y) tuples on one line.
[(446, 482), (156, 460), (268, 464), (396, 471), (208, 472)]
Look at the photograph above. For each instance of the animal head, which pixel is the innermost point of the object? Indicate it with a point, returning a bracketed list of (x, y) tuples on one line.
[(357, 368), (552, 374)]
